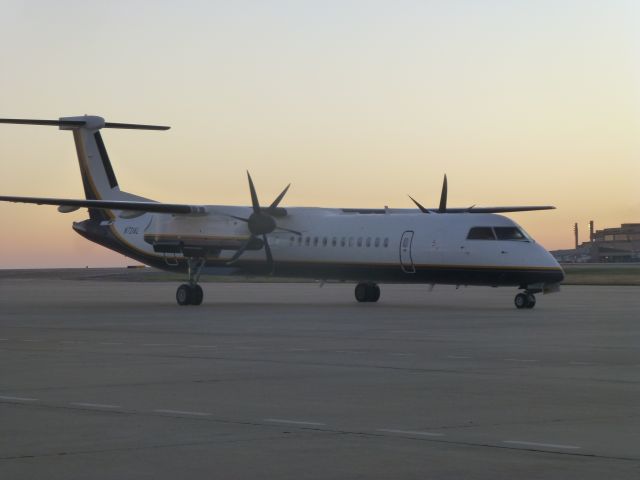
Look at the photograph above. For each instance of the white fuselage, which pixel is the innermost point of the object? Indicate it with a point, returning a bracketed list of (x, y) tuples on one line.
[(399, 239)]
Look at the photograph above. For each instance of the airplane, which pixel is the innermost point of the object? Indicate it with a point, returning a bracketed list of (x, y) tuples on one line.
[(454, 246)]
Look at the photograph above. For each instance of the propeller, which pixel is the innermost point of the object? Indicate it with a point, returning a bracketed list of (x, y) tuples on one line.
[(442, 208), (443, 196), (260, 223), (443, 200)]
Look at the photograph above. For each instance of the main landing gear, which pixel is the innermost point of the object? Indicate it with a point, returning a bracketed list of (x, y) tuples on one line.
[(367, 292), (525, 300), (191, 293)]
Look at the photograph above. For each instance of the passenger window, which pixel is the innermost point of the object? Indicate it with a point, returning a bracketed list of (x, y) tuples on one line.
[(377, 242), (386, 243), (315, 241), (343, 241), (351, 241), (299, 240), (405, 242), (324, 242), (334, 241), (292, 240), (509, 233), (359, 241), (307, 241), (481, 233), (368, 242)]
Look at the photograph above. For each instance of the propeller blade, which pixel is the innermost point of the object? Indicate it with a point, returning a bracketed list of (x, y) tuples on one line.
[(246, 220), (267, 250), (254, 196), (422, 209), (279, 198), (443, 196), (240, 251), (290, 231)]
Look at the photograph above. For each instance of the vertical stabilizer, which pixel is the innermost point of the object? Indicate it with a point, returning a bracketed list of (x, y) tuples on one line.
[(98, 177)]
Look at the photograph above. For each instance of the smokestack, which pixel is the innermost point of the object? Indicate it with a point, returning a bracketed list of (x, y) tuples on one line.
[(575, 232), (591, 233)]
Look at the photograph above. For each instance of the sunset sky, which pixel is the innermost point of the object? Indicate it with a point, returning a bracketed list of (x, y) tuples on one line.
[(356, 103)]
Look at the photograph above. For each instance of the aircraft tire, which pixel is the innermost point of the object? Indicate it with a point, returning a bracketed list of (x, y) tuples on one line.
[(374, 292), (521, 301), (367, 292), (196, 295), (362, 292), (531, 300), (183, 295)]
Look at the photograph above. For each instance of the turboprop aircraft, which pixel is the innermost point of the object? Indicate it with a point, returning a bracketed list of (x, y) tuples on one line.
[(455, 246)]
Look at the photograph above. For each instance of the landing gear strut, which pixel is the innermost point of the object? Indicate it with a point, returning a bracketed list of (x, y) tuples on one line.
[(525, 300), (191, 293), (367, 292)]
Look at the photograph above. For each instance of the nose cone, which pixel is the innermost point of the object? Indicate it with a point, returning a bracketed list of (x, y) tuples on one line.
[(555, 272), (557, 276), (562, 274)]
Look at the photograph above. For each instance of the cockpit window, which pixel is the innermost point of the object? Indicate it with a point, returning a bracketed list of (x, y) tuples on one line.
[(481, 233), (499, 233), (509, 233)]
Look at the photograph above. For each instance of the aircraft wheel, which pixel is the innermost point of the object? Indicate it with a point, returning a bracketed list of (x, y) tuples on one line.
[(374, 292), (521, 301), (531, 300), (362, 292), (367, 292), (196, 295), (183, 295)]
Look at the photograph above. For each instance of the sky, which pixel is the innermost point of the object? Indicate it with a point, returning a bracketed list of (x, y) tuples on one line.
[(356, 103)]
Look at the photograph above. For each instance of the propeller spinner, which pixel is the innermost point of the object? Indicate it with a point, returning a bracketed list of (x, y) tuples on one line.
[(260, 223)]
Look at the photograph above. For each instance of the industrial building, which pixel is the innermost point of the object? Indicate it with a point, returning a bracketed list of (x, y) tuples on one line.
[(619, 244)]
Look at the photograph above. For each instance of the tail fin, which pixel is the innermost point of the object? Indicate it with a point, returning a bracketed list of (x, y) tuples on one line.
[(98, 177)]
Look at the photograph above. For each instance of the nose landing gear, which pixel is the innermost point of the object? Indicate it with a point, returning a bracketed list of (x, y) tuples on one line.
[(525, 300), (191, 293), (367, 292)]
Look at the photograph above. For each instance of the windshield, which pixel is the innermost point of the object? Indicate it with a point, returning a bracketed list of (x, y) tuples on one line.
[(509, 233), (497, 233)]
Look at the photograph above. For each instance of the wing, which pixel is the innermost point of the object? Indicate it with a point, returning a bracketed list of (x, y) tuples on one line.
[(73, 204), (500, 209), (473, 209)]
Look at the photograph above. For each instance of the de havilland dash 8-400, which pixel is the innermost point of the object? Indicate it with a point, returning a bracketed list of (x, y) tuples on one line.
[(454, 246)]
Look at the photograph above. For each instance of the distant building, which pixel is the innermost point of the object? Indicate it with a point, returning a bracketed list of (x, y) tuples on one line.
[(621, 244), (573, 255)]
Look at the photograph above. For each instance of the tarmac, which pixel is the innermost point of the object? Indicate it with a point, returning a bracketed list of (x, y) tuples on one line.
[(112, 379)]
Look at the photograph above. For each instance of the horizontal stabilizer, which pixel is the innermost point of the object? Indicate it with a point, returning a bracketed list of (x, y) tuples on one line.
[(174, 208), (55, 123), (81, 123), (135, 126)]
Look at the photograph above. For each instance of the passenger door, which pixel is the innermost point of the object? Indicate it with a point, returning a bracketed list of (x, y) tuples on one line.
[(406, 261)]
